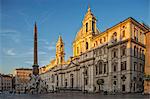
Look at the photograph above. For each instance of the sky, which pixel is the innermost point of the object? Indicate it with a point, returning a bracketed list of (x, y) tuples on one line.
[(54, 18)]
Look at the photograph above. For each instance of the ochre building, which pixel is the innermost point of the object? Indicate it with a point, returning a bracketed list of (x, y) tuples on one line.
[(147, 65), (112, 60), (22, 77)]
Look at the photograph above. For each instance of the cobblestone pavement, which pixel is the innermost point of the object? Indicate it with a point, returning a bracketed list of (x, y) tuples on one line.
[(72, 96)]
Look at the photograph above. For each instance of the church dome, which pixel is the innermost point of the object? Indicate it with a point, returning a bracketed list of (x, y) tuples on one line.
[(79, 34)]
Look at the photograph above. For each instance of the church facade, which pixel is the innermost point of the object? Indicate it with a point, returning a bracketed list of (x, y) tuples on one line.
[(111, 61)]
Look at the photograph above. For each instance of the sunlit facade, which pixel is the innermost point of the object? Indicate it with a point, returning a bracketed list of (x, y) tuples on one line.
[(111, 61), (22, 77), (147, 65), (6, 83)]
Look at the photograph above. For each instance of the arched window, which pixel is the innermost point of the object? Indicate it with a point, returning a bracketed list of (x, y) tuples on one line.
[(93, 26), (87, 46), (86, 27)]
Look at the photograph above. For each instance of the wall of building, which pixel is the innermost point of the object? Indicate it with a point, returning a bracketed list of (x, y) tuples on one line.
[(147, 65), (22, 77), (6, 83), (113, 61)]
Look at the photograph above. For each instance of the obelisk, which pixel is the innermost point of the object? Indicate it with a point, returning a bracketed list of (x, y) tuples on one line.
[(35, 64)]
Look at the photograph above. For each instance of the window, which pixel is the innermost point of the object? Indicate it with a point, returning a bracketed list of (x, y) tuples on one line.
[(114, 82), (114, 68), (105, 68), (140, 79), (100, 67), (140, 52), (104, 39), (114, 53), (114, 37), (86, 27), (123, 88), (87, 45), (134, 50), (140, 33), (135, 66), (65, 82), (71, 80), (57, 81), (61, 59), (123, 33), (105, 50), (141, 67), (123, 65), (135, 34), (77, 50), (123, 50), (52, 78), (86, 81), (96, 69), (93, 26), (96, 43), (100, 40), (86, 71)]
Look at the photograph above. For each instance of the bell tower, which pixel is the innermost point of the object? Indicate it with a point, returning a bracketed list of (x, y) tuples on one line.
[(60, 55), (89, 22)]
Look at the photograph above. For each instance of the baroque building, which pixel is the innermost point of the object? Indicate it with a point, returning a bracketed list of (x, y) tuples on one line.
[(111, 61)]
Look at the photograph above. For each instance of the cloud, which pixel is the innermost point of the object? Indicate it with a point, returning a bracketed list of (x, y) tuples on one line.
[(8, 32), (10, 52), (11, 34)]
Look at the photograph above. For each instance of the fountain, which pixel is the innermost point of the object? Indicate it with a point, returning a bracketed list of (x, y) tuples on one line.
[(36, 84)]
